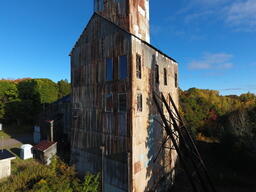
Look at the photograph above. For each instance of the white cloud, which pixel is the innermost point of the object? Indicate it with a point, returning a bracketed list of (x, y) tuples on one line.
[(195, 16), (242, 15), (211, 2), (215, 61)]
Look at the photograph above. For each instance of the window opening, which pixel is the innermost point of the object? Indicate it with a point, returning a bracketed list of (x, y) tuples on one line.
[(138, 66)]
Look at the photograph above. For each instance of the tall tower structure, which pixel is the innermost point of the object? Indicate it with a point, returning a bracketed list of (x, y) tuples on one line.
[(114, 72), (131, 15)]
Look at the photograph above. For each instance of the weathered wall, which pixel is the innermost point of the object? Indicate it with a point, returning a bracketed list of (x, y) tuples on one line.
[(60, 112), (131, 15), (92, 126), (147, 135), (119, 132), (5, 168)]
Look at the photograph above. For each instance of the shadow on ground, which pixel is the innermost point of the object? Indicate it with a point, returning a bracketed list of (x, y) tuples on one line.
[(230, 172), (16, 151), (23, 134)]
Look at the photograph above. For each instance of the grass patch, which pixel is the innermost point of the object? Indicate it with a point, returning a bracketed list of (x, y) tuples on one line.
[(4, 135)]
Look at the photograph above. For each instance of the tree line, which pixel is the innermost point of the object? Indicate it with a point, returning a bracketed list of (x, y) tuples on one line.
[(230, 119), (22, 100)]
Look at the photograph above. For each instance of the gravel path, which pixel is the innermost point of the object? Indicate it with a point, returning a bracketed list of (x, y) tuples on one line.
[(6, 143), (15, 140)]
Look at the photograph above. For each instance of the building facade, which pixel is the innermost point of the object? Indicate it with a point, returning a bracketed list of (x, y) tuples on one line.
[(114, 71)]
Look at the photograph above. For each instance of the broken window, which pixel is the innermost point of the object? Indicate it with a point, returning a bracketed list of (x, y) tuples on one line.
[(122, 102), (123, 67), (138, 66), (109, 69), (165, 76), (176, 80), (157, 73), (139, 102), (109, 103)]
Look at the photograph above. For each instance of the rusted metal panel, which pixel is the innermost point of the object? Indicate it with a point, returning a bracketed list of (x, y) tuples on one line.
[(92, 125), (148, 135), (119, 132), (131, 15)]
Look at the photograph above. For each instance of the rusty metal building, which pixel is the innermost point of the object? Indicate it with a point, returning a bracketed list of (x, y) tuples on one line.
[(114, 71)]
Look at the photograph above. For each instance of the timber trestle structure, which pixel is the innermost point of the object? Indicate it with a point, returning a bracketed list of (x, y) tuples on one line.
[(183, 143)]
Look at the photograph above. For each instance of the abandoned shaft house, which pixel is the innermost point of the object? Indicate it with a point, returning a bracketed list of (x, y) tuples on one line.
[(114, 71)]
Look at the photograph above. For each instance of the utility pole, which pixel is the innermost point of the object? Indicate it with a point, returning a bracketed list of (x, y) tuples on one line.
[(102, 167), (51, 124), (51, 129), (129, 171), (2, 144)]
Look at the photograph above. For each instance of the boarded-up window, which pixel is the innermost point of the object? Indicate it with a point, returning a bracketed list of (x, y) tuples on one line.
[(157, 73), (139, 102), (122, 123), (109, 69), (176, 80), (109, 103), (138, 66), (123, 67), (122, 102), (165, 76)]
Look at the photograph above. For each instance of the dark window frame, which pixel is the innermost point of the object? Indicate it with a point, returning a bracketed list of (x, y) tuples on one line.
[(176, 80), (138, 66), (139, 102), (120, 65), (157, 73), (111, 76), (165, 77), (119, 103), (110, 95)]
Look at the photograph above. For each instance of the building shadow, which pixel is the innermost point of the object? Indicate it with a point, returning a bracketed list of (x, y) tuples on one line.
[(16, 151), (157, 172)]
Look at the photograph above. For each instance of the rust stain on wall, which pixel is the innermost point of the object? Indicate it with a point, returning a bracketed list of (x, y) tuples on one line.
[(121, 144)]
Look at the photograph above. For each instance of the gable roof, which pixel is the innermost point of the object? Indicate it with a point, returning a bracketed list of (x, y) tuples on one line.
[(4, 154), (43, 145), (107, 20)]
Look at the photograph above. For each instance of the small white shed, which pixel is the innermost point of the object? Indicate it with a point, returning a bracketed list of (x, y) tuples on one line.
[(5, 163), (26, 152), (1, 127)]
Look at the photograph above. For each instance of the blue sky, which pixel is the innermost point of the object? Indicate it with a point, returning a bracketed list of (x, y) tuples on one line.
[(214, 41)]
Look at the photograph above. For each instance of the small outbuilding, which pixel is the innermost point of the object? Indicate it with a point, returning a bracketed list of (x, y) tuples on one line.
[(26, 152), (44, 151), (5, 163)]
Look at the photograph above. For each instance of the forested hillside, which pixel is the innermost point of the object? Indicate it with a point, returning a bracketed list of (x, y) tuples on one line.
[(227, 119), (225, 126)]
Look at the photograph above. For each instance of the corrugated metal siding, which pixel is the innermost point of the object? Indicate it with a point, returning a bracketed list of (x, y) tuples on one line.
[(92, 127)]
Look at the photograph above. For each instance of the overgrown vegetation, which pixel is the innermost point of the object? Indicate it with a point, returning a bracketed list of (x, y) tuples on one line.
[(22, 100), (225, 129), (32, 176), (230, 119)]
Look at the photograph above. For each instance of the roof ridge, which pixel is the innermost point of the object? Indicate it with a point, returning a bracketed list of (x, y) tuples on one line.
[(143, 41)]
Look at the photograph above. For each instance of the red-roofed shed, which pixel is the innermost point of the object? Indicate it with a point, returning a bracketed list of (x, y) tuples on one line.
[(44, 151)]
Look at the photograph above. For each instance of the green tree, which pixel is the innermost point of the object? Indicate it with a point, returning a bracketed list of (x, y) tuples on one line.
[(38, 90), (64, 88), (8, 93)]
